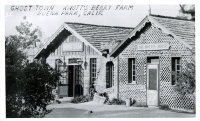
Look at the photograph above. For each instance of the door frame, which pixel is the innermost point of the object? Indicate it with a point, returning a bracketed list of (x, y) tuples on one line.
[(158, 82)]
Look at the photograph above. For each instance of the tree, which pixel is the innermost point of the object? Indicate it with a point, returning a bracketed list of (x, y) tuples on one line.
[(28, 85), (187, 12), (14, 62), (37, 87), (27, 36)]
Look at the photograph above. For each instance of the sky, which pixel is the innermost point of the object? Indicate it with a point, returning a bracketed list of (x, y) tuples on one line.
[(110, 15)]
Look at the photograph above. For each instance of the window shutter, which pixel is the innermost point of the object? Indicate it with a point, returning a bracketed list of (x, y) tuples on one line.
[(129, 70)]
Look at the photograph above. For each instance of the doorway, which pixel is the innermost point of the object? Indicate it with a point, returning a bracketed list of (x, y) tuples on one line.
[(75, 80), (70, 80), (152, 81)]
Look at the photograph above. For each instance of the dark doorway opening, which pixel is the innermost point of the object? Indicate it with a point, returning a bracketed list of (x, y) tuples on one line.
[(75, 80), (70, 80)]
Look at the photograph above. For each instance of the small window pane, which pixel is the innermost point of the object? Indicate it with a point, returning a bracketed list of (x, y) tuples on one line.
[(173, 79), (178, 67), (133, 72), (134, 67), (173, 64), (178, 60), (133, 61), (133, 78)]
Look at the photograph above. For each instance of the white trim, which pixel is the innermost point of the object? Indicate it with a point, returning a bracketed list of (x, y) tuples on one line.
[(152, 66), (133, 64)]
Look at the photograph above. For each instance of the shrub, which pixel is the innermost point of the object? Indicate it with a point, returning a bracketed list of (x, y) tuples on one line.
[(81, 99), (105, 95), (186, 80), (116, 101), (133, 102), (164, 107), (28, 85)]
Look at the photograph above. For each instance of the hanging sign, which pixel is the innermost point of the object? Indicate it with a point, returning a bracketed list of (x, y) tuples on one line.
[(73, 46), (156, 46)]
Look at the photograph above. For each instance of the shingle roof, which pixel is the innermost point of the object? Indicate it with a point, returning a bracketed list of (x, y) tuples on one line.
[(97, 34), (184, 29)]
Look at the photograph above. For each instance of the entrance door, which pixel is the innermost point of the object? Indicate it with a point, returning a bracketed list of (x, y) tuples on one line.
[(75, 80), (70, 80), (78, 80), (152, 85)]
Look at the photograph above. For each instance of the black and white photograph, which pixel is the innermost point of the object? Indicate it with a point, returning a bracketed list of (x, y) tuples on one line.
[(100, 61)]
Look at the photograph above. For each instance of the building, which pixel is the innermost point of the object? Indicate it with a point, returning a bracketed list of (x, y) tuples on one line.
[(83, 49), (146, 58), (124, 62)]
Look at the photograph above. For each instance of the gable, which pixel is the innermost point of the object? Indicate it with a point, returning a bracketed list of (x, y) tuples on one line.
[(184, 29), (139, 29), (152, 35), (71, 45)]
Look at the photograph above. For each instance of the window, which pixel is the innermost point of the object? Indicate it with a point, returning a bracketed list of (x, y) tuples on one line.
[(131, 70), (176, 67), (109, 74), (92, 71)]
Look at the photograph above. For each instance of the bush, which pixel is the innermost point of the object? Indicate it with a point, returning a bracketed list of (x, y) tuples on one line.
[(81, 99), (105, 95), (116, 101), (186, 81), (164, 107), (133, 102), (28, 85)]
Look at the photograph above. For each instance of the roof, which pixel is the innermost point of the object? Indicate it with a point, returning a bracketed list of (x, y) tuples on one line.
[(182, 30), (94, 35)]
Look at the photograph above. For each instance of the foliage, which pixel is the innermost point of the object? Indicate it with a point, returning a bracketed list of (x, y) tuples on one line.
[(187, 11), (81, 99), (27, 37), (116, 101), (104, 94), (186, 79), (37, 87), (28, 85), (164, 107), (14, 59), (133, 102)]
